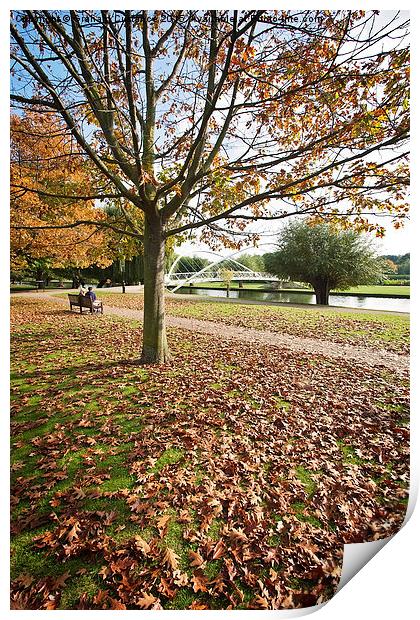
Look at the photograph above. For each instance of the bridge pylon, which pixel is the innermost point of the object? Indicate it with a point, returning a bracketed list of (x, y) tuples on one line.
[(212, 273)]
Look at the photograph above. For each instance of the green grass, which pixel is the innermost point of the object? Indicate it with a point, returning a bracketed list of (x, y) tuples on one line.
[(169, 457), (88, 583), (17, 288), (27, 560), (303, 515), (306, 479), (182, 600), (281, 403), (349, 454), (400, 291)]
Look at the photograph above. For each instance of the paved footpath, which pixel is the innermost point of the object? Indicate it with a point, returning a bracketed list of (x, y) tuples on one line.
[(370, 357)]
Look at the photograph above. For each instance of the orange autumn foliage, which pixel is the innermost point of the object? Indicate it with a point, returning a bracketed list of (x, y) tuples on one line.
[(45, 159)]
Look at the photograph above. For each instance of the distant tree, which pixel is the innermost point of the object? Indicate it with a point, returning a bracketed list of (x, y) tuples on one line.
[(404, 265), (38, 268), (252, 261), (392, 257), (226, 275), (390, 266), (389, 269), (324, 256), (402, 262), (190, 264)]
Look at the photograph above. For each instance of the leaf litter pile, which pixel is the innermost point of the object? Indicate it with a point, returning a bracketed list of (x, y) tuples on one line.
[(229, 479)]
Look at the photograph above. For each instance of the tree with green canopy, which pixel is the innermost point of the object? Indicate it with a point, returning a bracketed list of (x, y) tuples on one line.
[(324, 256), (252, 261)]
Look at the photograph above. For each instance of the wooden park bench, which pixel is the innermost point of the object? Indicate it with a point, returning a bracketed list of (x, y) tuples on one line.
[(83, 302)]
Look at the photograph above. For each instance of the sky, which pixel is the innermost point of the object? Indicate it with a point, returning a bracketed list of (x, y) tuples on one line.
[(396, 241)]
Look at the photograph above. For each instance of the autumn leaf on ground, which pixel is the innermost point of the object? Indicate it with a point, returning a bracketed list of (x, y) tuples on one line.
[(104, 572), (198, 605), (25, 579), (74, 532), (141, 544), (60, 581), (230, 568), (199, 581), (219, 550), (196, 559), (162, 525), (171, 559), (146, 600), (164, 588), (115, 604), (180, 579), (238, 535), (261, 602)]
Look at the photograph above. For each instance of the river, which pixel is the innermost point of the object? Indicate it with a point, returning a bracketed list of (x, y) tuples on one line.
[(399, 304)]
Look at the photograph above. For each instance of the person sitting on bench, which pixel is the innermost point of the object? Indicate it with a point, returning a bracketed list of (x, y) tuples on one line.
[(90, 293)]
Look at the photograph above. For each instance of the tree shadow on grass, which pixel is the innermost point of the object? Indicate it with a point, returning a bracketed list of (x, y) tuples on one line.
[(67, 312), (96, 367)]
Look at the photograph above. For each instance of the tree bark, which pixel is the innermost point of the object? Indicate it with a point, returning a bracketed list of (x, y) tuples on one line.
[(155, 346), (39, 277), (322, 292)]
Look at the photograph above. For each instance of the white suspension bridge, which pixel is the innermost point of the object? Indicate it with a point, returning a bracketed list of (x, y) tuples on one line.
[(213, 272)]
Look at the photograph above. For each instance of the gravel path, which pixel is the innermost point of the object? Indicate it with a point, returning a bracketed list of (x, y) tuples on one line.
[(371, 357)]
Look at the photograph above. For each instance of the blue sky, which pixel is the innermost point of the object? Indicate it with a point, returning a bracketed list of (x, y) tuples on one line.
[(396, 241)]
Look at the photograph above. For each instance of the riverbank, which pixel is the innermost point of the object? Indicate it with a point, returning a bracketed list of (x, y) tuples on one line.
[(390, 292), (282, 304), (305, 298)]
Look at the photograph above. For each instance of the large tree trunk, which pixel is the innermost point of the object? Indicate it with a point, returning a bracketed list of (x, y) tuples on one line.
[(322, 292), (155, 346)]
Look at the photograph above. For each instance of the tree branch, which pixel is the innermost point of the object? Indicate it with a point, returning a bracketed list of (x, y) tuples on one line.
[(79, 223)]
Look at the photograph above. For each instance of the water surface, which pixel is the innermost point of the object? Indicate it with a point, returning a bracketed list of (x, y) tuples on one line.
[(399, 304)]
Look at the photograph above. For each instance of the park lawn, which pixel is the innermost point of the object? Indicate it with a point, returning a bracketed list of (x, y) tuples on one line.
[(17, 288), (387, 331), (401, 291), (228, 479)]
